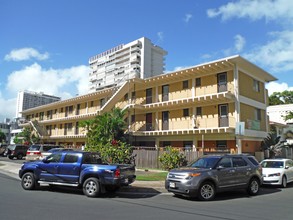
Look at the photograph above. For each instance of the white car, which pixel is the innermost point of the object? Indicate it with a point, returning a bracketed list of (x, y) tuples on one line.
[(277, 171)]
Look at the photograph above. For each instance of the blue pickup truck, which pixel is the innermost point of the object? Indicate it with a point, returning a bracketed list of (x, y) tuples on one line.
[(85, 170)]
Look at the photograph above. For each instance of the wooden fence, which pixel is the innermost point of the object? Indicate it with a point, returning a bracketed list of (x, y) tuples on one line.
[(150, 158)]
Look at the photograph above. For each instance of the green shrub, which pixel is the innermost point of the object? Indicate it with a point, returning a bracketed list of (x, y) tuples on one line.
[(172, 158)]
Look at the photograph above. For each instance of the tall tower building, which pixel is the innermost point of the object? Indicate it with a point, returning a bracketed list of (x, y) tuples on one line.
[(27, 99), (137, 59)]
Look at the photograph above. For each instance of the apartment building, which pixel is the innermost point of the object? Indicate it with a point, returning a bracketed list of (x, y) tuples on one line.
[(28, 99), (137, 59), (219, 106)]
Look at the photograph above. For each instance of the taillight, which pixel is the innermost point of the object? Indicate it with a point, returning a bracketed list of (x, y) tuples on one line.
[(117, 173)]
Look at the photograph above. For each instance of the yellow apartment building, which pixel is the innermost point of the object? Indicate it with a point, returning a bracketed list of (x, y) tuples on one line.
[(219, 106)]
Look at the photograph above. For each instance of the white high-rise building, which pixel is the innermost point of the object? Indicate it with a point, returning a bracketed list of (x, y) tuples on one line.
[(27, 99), (137, 59)]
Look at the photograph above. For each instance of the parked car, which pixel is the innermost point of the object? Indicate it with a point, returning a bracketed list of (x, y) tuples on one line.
[(211, 174), (39, 151), (16, 151), (2, 148), (277, 171), (77, 169)]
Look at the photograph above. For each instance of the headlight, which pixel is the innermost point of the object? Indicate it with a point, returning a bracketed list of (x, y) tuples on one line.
[(274, 174), (190, 175)]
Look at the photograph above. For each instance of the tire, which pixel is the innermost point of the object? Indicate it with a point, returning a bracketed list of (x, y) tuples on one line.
[(91, 187), (10, 157), (206, 191), (253, 187), (19, 156), (28, 181), (284, 181)]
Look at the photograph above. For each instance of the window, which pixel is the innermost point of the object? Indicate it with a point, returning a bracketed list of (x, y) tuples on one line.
[(258, 114), (126, 97), (225, 162), (92, 103), (197, 82), (132, 118), (238, 162), (185, 84), (70, 158), (256, 85), (185, 112), (54, 158), (198, 111)]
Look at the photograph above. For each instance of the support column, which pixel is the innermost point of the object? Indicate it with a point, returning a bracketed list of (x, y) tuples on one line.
[(157, 143)]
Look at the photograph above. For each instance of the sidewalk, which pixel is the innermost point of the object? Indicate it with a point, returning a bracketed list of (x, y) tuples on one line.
[(150, 187)]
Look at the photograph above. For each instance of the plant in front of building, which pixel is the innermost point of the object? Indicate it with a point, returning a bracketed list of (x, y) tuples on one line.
[(2, 137), (172, 158), (273, 145), (27, 136), (105, 134)]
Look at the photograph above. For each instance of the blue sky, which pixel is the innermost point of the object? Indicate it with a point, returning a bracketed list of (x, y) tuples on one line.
[(45, 45)]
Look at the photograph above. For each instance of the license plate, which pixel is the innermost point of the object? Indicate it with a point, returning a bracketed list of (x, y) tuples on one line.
[(172, 185), (31, 153)]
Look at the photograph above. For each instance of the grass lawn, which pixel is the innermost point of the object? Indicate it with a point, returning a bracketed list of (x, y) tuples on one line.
[(151, 175)]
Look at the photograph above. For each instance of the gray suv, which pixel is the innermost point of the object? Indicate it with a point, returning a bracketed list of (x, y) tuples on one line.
[(211, 174)]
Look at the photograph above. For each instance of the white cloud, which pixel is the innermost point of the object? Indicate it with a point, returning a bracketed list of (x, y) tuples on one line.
[(281, 10), (25, 54), (8, 107), (187, 17), (50, 81), (276, 54), (239, 43), (277, 87), (160, 36)]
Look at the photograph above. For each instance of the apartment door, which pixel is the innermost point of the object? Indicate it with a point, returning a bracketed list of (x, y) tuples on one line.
[(149, 121), (165, 93), (222, 82), (165, 120), (223, 116), (149, 98)]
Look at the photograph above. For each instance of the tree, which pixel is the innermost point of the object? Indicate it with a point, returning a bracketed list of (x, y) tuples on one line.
[(105, 134), (172, 158), (27, 136), (281, 98), (273, 144), (2, 137)]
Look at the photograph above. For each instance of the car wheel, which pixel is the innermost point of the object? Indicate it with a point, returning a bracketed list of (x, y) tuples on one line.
[(253, 187), (284, 182), (10, 157), (206, 191), (91, 187), (28, 181), (19, 156)]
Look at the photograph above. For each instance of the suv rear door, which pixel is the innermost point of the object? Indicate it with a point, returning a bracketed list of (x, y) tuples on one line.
[(241, 170), (225, 173)]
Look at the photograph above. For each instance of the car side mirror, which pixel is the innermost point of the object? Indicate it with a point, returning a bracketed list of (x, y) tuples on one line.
[(220, 167), (286, 167), (45, 160)]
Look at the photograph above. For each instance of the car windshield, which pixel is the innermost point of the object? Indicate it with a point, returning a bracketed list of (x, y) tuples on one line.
[(272, 164), (205, 162)]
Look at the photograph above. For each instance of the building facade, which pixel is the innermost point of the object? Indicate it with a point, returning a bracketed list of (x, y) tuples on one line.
[(218, 106), (137, 59), (28, 99)]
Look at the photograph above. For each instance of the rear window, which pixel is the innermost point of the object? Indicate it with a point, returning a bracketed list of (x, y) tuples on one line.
[(253, 160), (34, 148), (46, 148), (11, 147)]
